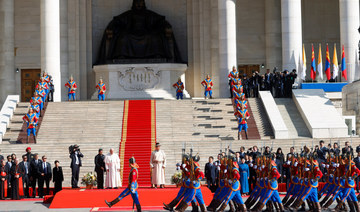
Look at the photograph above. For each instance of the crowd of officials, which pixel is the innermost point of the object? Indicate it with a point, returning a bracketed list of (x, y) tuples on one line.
[(246, 159), (278, 83)]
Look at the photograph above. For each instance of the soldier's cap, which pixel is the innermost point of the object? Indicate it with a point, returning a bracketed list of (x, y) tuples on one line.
[(29, 148), (132, 160), (158, 144)]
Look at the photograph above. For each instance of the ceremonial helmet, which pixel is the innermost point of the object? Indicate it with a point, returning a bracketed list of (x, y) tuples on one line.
[(132, 162)]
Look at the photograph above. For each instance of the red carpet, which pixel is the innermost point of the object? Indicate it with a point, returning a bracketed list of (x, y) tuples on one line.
[(96, 198), (138, 138)]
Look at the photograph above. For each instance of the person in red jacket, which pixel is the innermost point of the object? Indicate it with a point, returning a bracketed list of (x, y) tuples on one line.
[(242, 116), (132, 187), (71, 85), (31, 122)]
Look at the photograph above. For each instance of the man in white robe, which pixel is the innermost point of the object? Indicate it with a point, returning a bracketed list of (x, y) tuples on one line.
[(158, 164), (112, 165)]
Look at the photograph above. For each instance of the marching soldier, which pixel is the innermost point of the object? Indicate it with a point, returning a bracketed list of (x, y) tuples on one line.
[(179, 89), (132, 187), (44, 85), (31, 122), (101, 90), (234, 74), (71, 85), (40, 92), (35, 106), (208, 85)]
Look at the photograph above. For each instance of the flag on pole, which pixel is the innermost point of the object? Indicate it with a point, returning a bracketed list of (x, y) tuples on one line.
[(335, 63), (327, 63), (303, 73), (343, 64), (320, 67), (313, 63)]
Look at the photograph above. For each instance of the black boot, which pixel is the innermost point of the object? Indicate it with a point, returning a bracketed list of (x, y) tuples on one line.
[(171, 205), (110, 204), (194, 206), (138, 208)]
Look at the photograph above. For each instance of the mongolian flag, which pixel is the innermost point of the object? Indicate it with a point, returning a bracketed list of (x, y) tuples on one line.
[(313, 64), (320, 67), (343, 64), (327, 64), (335, 64)]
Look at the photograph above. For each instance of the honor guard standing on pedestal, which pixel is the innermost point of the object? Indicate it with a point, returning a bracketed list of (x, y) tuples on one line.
[(208, 85), (101, 90), (179, 89), (71, 85), (132, 187), (31, 123)]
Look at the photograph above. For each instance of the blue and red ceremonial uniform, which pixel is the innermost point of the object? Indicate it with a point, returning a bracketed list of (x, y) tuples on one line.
[(312, 184), (36, 109), (101, 91), (208, 84), (45, 86), (132, 187), (42, 94), (38, 100), (242, 116), (71, 85), (272, 186), (347, 188), (31, 123), (179, 90), (193, 190), (233, 74), (232, 186)]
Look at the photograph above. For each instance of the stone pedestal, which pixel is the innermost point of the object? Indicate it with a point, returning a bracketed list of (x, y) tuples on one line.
[(140, 81)]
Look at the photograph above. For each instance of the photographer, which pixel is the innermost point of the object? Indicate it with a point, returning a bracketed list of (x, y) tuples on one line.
[(75, 156)]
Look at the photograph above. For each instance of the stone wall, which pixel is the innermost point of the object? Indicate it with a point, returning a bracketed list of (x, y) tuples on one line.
[(350, 102)]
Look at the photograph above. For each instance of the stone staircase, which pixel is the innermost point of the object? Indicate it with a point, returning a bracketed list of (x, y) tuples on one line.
[(91, 125), (261, 118), (15, 127), (292, 118)]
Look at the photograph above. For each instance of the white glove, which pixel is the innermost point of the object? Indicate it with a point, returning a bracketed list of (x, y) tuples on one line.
[(266, 178), (306, 179), (331, 175), (337, 178), (218, 168), (350, 178), (337, 165), (177, 168), (295, 164), (261, 178), (288, 162), (193, 182), (216, 163), (186, 170), (255, 167), (251, 165), (307, 169), (323, 165), (183, 166), (230, 181), (263, 166), (260, 168), (225, 171), (327, 166)]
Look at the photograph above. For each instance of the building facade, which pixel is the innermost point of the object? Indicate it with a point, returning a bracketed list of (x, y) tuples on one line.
[(63, 38)]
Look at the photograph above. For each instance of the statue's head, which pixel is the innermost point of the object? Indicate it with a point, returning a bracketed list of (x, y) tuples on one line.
[(138, 5)]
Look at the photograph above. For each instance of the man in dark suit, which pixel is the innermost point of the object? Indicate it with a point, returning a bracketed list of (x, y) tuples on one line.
[(45, 177), (268, 80), (29, 155), (357, 164), (35, 166), (347, 149), (75, 165), (99, 169), (8, 166), (210, 174), (25, 169)]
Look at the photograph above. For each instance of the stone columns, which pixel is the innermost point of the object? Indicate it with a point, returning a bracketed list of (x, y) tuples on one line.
[(273, 34), (349, 35), (7, 58), (291, 34), (50, 42), (227, 43)]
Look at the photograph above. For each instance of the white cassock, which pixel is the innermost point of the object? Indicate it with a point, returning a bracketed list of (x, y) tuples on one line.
[(112, 163), (158, 164)]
